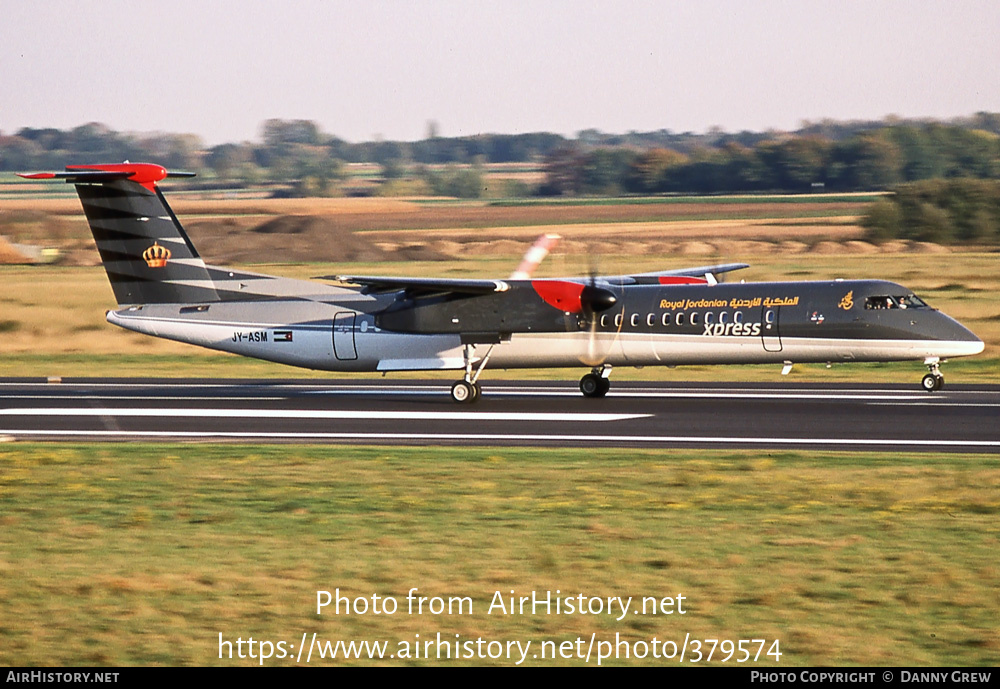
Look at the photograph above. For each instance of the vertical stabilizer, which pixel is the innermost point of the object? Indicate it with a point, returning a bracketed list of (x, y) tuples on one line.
[(146, 253)]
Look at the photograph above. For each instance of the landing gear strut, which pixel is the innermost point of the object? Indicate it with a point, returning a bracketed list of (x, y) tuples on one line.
[(468, 390), (933, 381), (596, 383)]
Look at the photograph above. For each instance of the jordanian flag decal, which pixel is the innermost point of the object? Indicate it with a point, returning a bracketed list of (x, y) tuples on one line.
[(282, 335)]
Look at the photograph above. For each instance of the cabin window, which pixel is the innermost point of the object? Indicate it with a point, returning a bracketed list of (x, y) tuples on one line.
[(695, 317), (651, 320), (769, 317), (680, 319), (634, 320), (709, 317), (666, 319), (618, 321), (724, 317), (738, 317), (604, 321)]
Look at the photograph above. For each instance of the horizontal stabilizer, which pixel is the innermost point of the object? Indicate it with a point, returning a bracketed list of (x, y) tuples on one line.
[(145, 174)]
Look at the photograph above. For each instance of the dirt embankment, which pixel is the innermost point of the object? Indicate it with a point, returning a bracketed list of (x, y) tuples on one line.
[(333, 239), (375, 230), (297, 239)]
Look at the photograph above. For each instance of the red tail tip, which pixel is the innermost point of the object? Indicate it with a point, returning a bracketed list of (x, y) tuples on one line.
[(146, 174)]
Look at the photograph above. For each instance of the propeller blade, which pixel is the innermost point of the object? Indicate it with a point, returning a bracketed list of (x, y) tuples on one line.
[(595, 301)]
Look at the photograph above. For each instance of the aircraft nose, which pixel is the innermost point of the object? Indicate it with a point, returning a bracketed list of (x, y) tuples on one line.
[(963, 340)]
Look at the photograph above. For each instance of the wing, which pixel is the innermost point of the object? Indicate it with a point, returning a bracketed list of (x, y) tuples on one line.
[(419, 287), (700, 275), (424, 287)]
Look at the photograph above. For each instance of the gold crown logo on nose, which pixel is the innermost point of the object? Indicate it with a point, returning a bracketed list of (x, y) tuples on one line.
[(156, 256), (847, 303)]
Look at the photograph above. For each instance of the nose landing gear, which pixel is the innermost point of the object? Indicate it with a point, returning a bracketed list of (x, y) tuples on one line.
[(596, 383), (933, 381)]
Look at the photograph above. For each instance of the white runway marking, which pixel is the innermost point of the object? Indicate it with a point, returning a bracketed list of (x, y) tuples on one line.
[(203, 398), (945, 403), (631, 393), (770, 395), (508, 392), (567, 391), (158, 385), (323, 414)]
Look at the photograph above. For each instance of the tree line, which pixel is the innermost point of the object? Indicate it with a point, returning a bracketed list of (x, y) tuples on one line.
[(944, 211), (876, 159), (829, 155)]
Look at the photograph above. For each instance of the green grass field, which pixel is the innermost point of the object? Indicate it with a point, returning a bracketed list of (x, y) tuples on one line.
[(144, 554)]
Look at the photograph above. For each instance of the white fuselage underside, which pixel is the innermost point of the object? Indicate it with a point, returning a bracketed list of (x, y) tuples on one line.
[(355, 344)]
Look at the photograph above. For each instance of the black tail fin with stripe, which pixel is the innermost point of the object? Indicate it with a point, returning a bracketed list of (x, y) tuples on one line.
[(148, 257)]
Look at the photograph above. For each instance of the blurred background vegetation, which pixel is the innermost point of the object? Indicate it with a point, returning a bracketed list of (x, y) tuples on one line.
[(944, 174)]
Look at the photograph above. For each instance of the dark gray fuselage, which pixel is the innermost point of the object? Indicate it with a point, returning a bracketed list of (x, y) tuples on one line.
[(331, 328)]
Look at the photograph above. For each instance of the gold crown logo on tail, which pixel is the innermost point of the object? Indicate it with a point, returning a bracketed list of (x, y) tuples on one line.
[(156, 256)]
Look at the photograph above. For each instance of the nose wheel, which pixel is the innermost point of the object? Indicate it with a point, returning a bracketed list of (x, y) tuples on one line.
[(933, 381), (596, 383)]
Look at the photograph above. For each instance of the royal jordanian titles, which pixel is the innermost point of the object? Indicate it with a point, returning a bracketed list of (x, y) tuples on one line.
[(381, 324)]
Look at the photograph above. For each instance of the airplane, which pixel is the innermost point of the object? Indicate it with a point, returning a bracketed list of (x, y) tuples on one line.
[(371, 323)]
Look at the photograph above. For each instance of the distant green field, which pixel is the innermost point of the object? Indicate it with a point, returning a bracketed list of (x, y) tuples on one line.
[(859, 198), (145, 554)]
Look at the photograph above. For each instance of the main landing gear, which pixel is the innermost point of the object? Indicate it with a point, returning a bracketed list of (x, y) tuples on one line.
[(468, 390), (596, 383), (933, 381)]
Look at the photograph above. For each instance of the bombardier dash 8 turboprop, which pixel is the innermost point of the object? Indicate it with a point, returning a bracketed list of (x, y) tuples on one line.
[(380, 324)]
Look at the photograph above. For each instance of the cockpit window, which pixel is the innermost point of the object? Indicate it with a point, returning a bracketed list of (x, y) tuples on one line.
[(880, 303), (906, 301), (911, 301)]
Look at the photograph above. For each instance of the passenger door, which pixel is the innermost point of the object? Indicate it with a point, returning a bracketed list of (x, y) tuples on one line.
[(343, 336), (770, 335)]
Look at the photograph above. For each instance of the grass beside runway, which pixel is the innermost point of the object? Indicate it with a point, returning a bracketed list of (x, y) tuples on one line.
[(144, 554)]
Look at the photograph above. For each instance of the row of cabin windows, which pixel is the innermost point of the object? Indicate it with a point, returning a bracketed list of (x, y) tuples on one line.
[(669, 318)]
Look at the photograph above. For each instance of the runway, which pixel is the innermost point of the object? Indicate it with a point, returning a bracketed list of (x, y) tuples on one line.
[(656, 415)]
